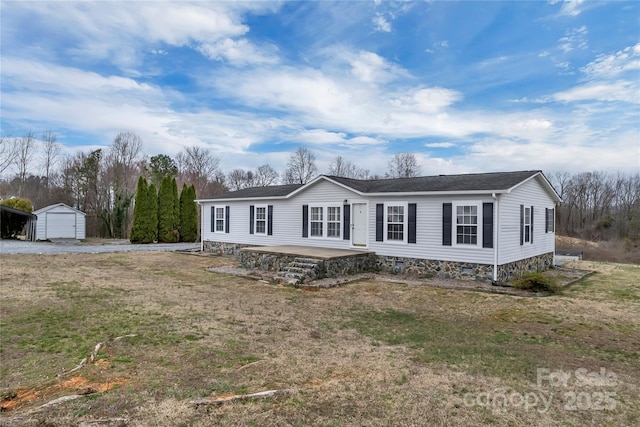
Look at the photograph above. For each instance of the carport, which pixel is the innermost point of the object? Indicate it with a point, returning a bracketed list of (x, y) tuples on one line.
[(13, 221)]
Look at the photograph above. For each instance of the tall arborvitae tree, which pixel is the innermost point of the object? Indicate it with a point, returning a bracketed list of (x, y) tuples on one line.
[(145, 217), (137, 229), (152, 210), (176, 208), (167, 222), (188, 214)]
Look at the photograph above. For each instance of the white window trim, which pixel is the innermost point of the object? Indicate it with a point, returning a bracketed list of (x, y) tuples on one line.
[(255, 219), (454, 223), (405, 226), (552, 223), (325, 221), (526, 224), (215, 220)]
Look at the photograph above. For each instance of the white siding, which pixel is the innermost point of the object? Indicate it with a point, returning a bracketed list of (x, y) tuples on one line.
[(43, 225), (287, 224), (287, 219), (429, 232), (530, 193)]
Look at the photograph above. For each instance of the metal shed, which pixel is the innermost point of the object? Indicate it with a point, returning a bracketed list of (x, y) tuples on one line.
[(60, 221)]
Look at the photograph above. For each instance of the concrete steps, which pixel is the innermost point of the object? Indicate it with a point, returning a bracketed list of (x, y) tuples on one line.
[(300, 270)]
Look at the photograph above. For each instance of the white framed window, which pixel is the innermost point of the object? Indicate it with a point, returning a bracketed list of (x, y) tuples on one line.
[(316, 220), (260, 220), (467, 220), (551, 220), (219, 220), (527, 224), (325, 221), (395, 222), (334, 221)]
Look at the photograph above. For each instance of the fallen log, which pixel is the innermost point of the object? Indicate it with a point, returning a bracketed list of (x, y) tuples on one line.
[(92, 357), (235, 397)]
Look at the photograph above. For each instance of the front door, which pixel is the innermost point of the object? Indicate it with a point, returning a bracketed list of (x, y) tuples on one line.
[(359, 224)]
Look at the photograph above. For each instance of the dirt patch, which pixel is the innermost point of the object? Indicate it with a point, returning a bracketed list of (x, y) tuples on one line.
[(75, 385)]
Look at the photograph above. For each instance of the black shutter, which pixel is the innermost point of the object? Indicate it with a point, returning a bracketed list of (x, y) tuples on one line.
[(379, 222), (226, 219), (346, 222), (411, 238), (213, 219), (251, 217), (521, 225), (487, 225), (305, 220), (270, 220), (531, 232), (447, 223)]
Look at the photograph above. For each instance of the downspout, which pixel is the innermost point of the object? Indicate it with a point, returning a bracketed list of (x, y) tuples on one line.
[(201, 225), (495, 237)]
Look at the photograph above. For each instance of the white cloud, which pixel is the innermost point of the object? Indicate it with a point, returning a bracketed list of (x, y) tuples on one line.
[(602, 91), (238, 52), (320, 137), (116, 31), (381, 24), (606, 66), (369, 67), (571, 7), (575, 38), (440, 145)]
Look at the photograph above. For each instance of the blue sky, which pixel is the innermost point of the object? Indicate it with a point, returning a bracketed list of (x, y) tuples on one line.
[(465, 86)]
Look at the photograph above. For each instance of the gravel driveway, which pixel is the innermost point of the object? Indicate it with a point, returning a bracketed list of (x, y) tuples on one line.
[(92, 246)]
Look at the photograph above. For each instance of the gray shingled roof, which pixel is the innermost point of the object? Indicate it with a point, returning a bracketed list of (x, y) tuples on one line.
[(496, 181), (469, 182), (270, 191)]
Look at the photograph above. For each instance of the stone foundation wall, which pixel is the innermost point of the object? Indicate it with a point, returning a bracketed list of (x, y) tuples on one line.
[(520, 268), (335, 267), (434, 268), (222, 248), (343, 266)]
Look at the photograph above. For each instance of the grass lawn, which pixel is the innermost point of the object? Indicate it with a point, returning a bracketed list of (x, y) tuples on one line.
[(367, 354)]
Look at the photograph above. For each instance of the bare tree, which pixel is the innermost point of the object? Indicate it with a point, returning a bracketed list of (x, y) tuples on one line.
[(198, 166), (25, 152), (239, 179), (50, 155), (301, 167), (598, 205), (123, 161), (346, 169), (8, 152), (403, 165), (265, 176)]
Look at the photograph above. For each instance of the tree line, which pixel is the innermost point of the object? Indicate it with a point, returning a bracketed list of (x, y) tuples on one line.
[(103, 182), (598, 205)]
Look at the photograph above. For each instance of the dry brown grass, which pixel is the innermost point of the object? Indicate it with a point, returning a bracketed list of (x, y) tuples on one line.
[(620, 251), (367, 354)]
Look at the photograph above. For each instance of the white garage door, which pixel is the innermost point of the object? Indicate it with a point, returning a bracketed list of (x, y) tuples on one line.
[(61, 226)]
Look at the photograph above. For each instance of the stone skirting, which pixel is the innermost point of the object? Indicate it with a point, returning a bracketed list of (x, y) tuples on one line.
[(463, 270), (222, 248), (434, 268), (332, 267), (520, 268), (367, 262)]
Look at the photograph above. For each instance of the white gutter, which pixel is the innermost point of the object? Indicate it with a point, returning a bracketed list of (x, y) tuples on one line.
[(496, 234)]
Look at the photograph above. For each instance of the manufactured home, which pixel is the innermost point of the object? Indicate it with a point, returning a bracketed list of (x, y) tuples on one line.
[(487, 226)]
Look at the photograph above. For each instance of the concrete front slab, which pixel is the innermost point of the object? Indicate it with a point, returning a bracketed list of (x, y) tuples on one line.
[(306, 251)]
